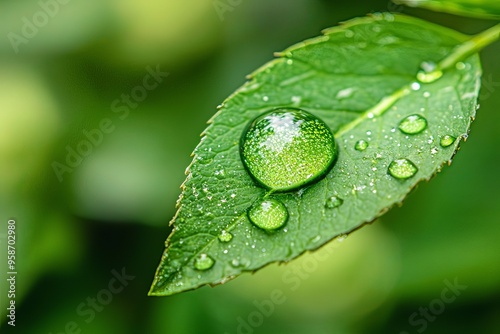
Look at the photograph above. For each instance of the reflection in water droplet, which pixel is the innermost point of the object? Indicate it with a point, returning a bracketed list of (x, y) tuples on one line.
[(203, 262), (428, 66), (268, 214), (225, 236), (402, 169), (334, 202), (287, 148), (447, 140), (361, 145), (413, 124)]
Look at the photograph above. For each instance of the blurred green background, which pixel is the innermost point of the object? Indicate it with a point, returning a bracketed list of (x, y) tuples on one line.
[(109, 211)]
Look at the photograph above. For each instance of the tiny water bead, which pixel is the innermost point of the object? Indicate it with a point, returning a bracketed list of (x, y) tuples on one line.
[(287, 148), (203, 262), (333, 202), (225, 236), (402, 169), (413, 124), (268, 214), (447, 140), (361, 145)]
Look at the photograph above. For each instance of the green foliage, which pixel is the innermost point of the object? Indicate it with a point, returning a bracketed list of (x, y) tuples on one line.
[(363, 79), (475, 8)]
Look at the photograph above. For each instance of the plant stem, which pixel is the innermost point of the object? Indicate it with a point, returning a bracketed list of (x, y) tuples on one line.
[(473, 45)]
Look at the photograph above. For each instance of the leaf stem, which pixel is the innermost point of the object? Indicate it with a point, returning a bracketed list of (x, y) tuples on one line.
[(473, 45), (375, 111)]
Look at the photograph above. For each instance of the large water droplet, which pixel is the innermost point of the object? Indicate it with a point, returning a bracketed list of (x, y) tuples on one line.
[(446, 140), (361, 145), (334, 202), (225, 236), (203, 262), (287, 148), (268, 214), (402, 169), (413, 124)]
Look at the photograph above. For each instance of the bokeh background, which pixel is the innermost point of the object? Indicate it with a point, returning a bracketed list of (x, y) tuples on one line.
[(110, 210)]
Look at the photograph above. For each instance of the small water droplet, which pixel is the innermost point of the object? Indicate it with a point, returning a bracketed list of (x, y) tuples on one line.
[(434, 150), (296, 99), (460, 66), (349, 33), (427, 94), (402, 169), (203, 262), (219, 173), (240, 262), (415, 86), (361, 145), (265, 98), (388, 17), (315, 239), (345, 93), (341, 237), (225, 236), (413, 124), (429, 72), (334, 202), (446, 140), (285, 149), (269, 214)]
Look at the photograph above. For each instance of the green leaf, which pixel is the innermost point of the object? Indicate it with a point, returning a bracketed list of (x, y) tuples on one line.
[(475, 8), (360, 78)]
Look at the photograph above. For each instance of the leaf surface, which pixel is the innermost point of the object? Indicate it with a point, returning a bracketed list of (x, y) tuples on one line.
[(475, 8), (360, 78)]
